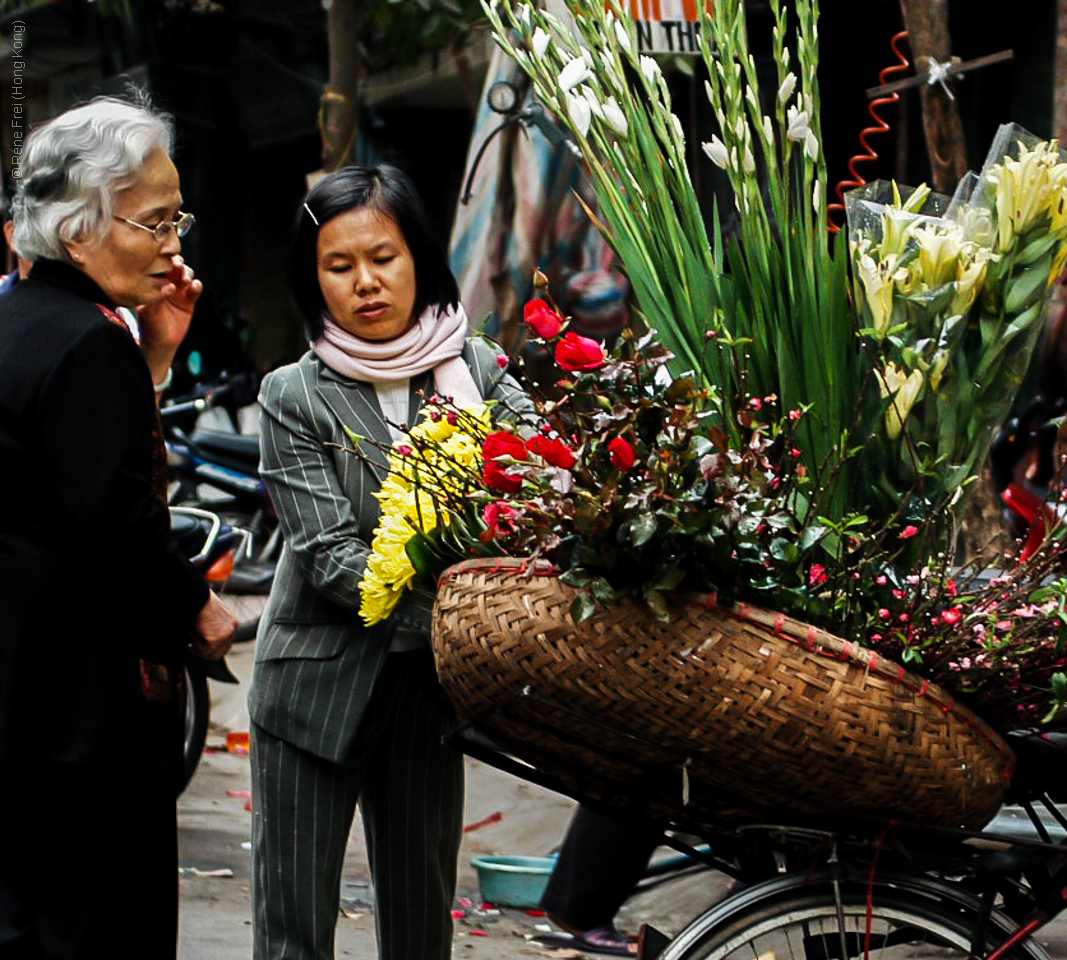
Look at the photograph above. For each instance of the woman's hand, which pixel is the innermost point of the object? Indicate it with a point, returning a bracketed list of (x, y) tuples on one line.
[(215, 627), (165, 323)]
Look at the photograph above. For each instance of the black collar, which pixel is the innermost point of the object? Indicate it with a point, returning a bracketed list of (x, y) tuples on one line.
[(69, 278)]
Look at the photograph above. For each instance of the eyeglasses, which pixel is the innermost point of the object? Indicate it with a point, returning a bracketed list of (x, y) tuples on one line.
[(181, 225)]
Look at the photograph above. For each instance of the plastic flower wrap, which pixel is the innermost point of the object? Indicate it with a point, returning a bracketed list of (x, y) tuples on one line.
[(951, 296), (430, 471)]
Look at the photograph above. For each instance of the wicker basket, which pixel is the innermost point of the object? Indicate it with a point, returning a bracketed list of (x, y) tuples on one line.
[(721, 716)]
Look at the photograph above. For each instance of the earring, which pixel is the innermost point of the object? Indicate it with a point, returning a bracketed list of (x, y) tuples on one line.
[(77, 256)]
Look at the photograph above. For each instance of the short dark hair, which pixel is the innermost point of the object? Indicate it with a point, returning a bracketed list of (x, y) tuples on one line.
[(388, 190)]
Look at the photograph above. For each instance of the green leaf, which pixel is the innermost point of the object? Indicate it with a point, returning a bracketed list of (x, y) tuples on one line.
[(644, 529), (1023, 289), (582, 607), (784, 550), (576, 577), (668, 578), (658, 605), (602, 590), (812, 535)]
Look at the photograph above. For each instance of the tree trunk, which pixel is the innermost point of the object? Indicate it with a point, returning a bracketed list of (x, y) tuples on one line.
[(928, 36), (339, 107)]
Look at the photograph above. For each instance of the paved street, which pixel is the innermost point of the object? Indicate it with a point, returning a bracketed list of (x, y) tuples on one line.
[(215, 826)]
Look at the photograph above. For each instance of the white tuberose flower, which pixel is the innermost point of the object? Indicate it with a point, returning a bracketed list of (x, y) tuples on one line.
[(799, 126), (621, 35), (811, 146), (579, 112), (785, 91), (649, 68), (539, 42), (717, 152), (614, 117), (574, 73)]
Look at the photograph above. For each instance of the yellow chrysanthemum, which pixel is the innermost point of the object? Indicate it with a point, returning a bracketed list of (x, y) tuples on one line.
[(426, 468)]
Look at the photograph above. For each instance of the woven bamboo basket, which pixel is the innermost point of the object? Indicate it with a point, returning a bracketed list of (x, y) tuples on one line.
[(722, 716)]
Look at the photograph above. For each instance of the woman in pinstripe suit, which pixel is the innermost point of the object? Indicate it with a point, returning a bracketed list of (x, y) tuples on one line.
[(344, 714)]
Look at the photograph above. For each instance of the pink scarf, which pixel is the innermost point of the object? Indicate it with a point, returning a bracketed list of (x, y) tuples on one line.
[(435, 343)]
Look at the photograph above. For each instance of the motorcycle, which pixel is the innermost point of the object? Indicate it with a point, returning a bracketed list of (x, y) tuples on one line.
[(218, 470), (211, 546)]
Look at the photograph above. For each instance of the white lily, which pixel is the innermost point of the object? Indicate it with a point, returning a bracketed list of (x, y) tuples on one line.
[(970, 277), (902, 390), (574, 73), (717, 152), (811, 146), (579, 112), (539, 42), (877, 281)]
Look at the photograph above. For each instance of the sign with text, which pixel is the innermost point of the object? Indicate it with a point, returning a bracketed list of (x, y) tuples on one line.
[(662, 26)]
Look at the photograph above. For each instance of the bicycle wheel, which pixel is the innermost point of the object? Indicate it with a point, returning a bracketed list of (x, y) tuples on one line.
[(195, 723), (805, 924)]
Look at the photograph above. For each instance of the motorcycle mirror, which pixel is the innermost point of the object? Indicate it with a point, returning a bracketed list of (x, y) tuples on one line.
[(503, 96)]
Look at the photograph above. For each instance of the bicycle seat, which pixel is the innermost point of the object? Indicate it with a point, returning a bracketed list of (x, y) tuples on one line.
[(233, 446), (1042, 765)]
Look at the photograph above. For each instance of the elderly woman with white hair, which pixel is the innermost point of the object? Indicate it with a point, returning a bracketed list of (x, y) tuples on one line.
[(94, 594)]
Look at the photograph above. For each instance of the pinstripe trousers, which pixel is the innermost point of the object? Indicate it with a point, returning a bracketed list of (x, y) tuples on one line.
[(409, 787)]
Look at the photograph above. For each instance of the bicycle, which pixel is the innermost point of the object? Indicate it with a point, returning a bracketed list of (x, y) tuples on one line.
[(856, 890)]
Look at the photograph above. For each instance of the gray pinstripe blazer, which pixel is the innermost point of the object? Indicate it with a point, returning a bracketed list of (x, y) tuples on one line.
[(315, 660)]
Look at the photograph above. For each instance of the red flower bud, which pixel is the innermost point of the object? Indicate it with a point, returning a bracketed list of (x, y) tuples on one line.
[(579, 353), (551, 451), (542, 319), (621, 454)]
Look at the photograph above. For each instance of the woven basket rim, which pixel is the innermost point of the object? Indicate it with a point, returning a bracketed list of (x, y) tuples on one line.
[(810, 638)]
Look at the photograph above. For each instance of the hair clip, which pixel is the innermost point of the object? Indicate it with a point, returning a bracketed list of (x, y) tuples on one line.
[(314, 219)]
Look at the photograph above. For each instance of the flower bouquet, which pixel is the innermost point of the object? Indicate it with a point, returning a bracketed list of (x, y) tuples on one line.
[(778, 437)]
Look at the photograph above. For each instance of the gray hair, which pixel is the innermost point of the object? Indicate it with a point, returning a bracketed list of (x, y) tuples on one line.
[(72, 168)]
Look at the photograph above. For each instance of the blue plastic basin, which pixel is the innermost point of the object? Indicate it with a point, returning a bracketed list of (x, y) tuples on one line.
[(513, 881)]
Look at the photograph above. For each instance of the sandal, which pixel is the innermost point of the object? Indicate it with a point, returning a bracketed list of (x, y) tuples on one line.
[(604, 940)]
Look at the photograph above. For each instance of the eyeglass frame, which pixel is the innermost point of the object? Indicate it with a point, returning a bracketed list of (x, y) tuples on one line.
[(181, 225)]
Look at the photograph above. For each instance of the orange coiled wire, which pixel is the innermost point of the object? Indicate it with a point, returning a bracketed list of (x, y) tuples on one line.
[(880, 127)]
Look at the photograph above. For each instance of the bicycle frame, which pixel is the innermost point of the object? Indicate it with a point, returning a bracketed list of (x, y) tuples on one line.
[(964, 870)]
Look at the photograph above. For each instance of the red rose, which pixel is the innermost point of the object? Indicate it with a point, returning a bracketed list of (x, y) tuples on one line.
[(542, 319), (495, 475), (579, 353), (500, 518), (621, 453), (552, 451), (817, 574)]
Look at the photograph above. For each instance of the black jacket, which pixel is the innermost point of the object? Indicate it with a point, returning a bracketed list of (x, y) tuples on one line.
[(90, 578)]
